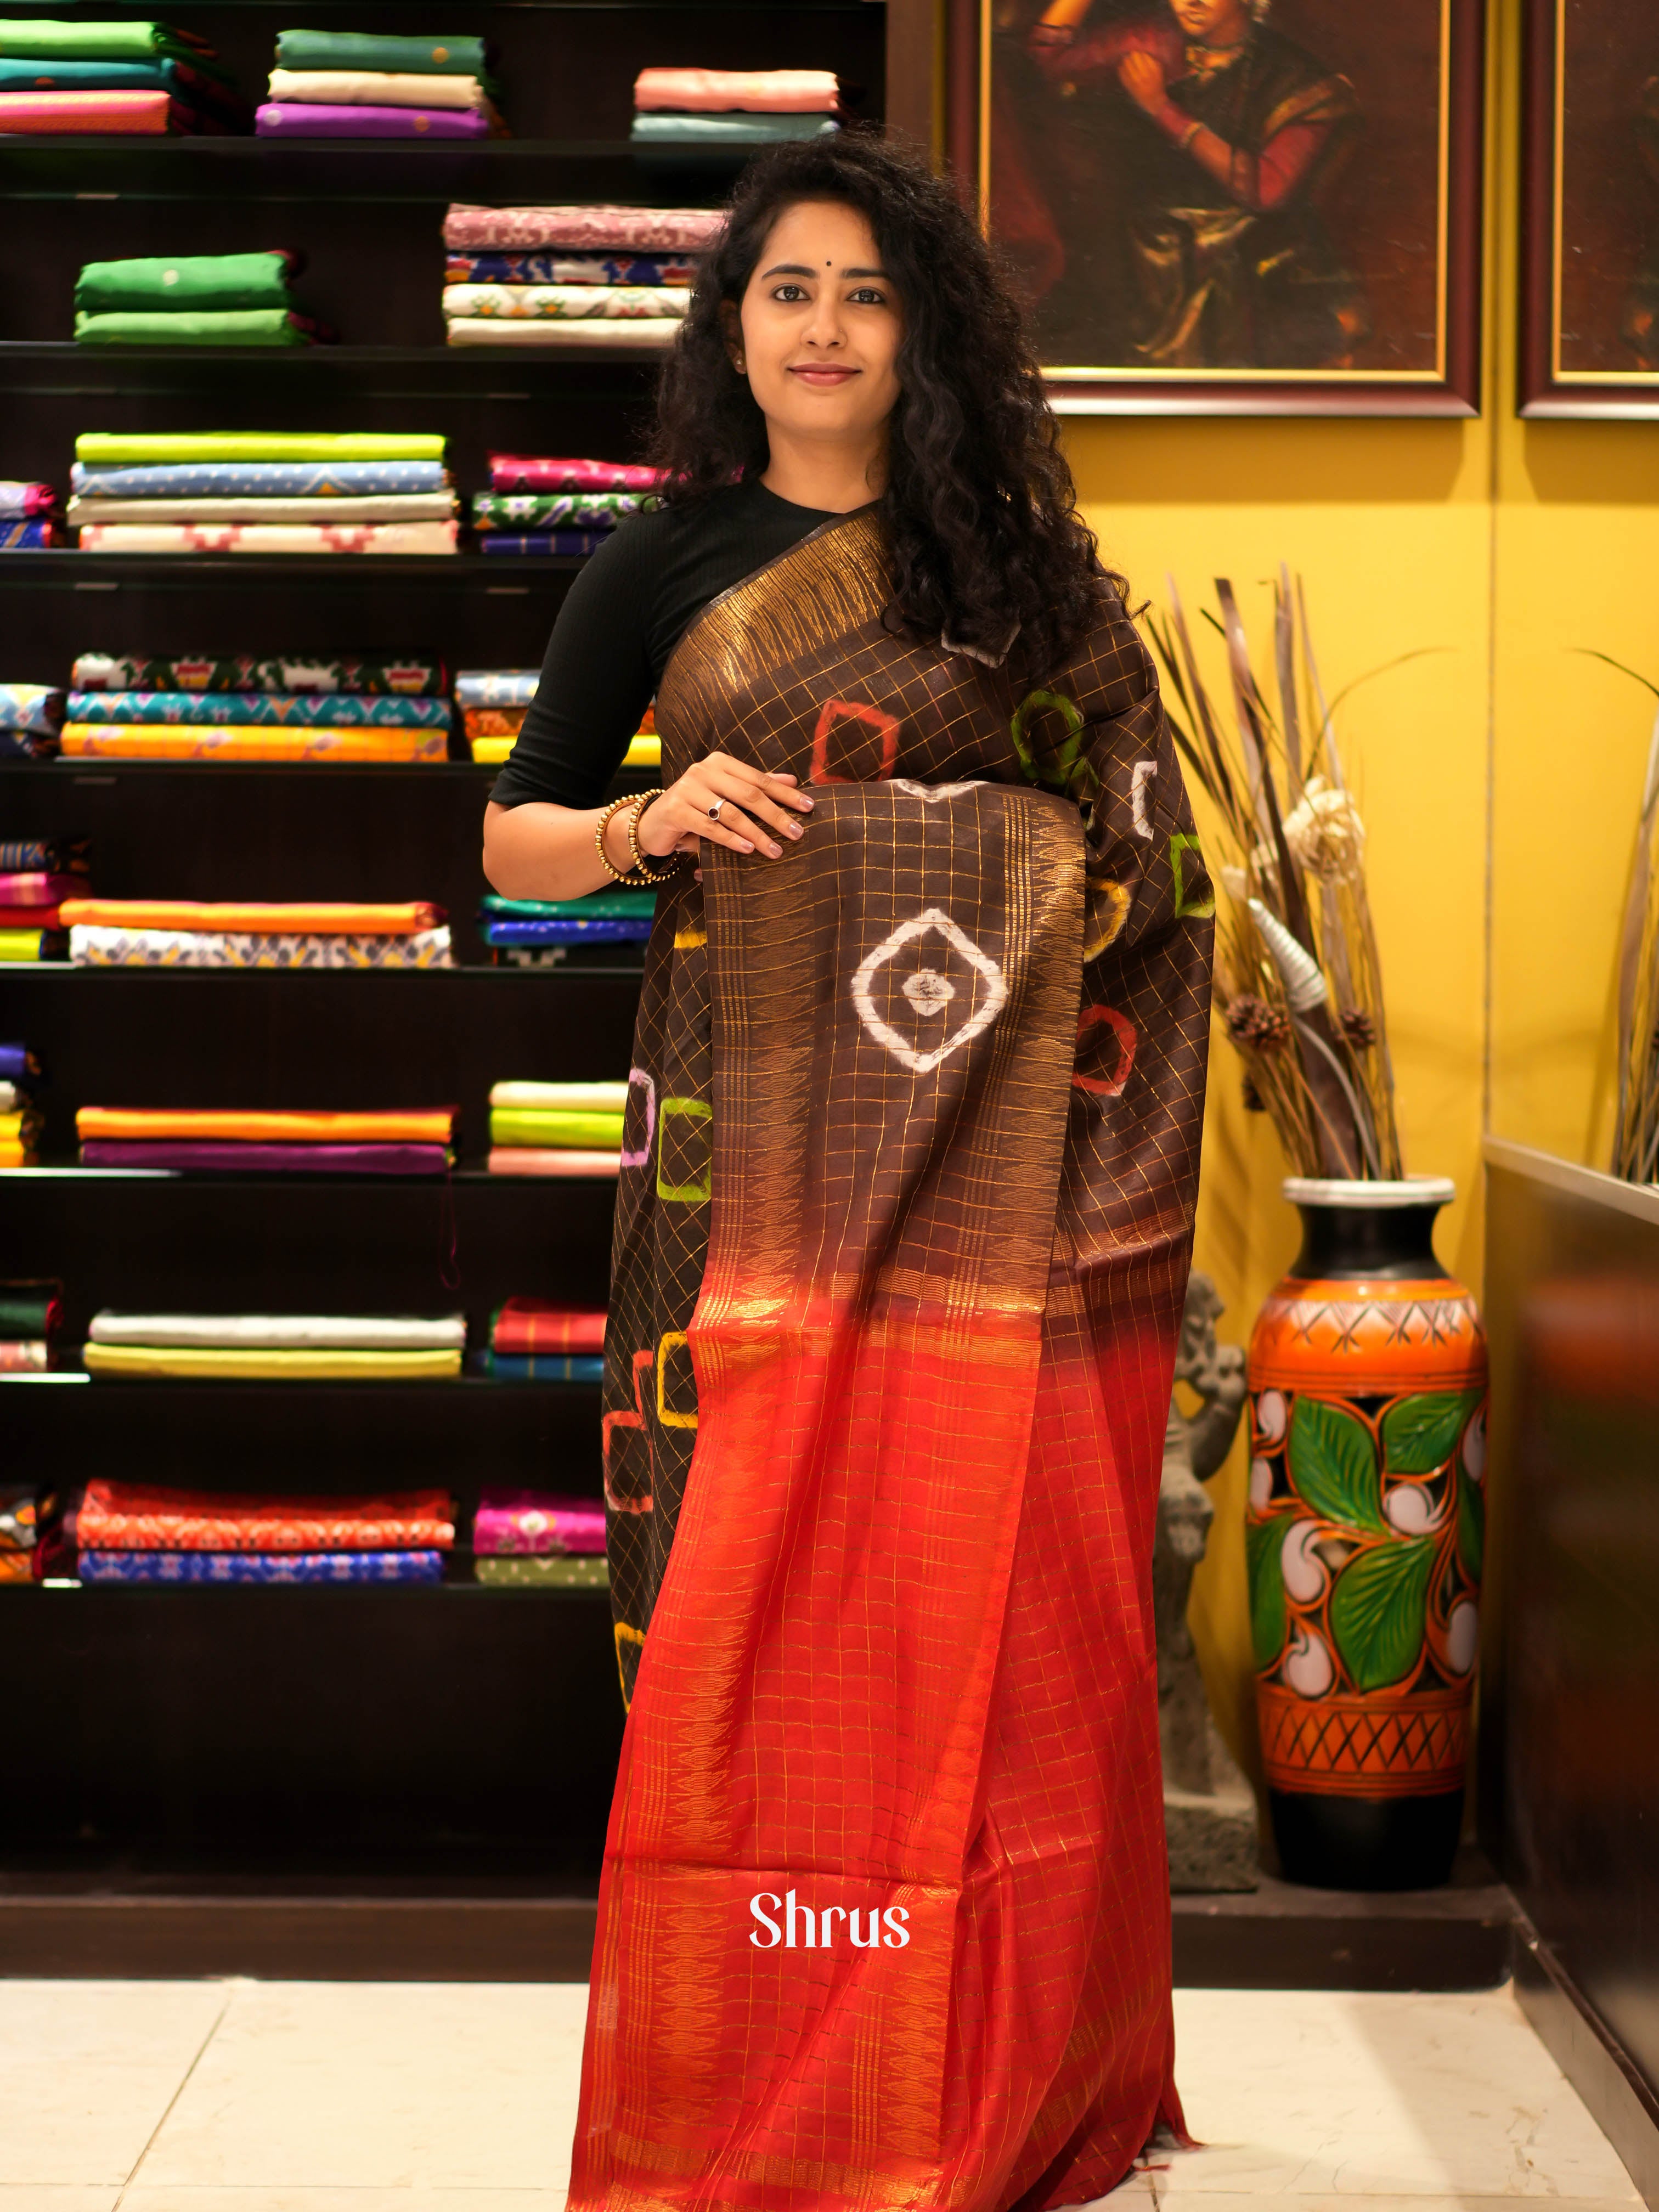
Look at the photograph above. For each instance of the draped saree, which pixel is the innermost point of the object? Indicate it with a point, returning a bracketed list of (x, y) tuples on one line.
[(902, 1234)]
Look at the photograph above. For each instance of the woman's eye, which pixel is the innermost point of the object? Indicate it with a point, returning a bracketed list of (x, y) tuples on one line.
[(789, 292), (867, 296)]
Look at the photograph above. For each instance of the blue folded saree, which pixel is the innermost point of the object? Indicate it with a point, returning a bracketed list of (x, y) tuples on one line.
[(543, 541), (261, 1567), (308, 710), (258, 479), (603, 929)]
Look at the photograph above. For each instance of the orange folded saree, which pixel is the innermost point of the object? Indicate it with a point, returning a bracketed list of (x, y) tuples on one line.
[(247, 742), (423, 1126), (884, 1917), (259, 919)]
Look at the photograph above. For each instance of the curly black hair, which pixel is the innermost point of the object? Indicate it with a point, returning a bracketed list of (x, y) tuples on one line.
[(980, 509)]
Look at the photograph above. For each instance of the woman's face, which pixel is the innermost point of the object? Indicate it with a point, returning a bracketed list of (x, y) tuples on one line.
[(820, 326), (1223, 21)]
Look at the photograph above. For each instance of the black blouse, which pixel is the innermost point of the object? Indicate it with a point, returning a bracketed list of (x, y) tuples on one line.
[(620, 623)]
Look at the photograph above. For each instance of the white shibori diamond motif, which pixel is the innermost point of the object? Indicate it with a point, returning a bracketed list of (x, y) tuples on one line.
[(933, 791), (931, 999)]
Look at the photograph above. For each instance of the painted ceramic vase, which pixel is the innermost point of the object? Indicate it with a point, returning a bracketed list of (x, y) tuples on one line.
[(1367, 1508)]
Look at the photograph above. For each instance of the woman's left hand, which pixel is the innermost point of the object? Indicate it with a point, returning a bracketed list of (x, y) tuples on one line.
[(1141, 75)]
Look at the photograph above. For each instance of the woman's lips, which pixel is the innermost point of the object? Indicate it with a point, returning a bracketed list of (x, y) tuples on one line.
[(812, 372)]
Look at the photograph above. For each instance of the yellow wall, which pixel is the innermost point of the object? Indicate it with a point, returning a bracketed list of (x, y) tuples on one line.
[(1498, 780)]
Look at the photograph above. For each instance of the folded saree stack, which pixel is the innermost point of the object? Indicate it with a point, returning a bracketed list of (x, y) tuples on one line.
[(277, 1347), (539, 932), (262, 491), (204, 299), (129, 1531), (74, 79), (27, 511), (530, 1341), (687, 111), (356, 84), (20, 1111), (20, 1515), (540, 1538), (190, 934), (557, 1128), (494, 701), (29, 1315), (239, 707), (556, 504), (208, 1140), (36, 874), (31, 721), (572, 277)]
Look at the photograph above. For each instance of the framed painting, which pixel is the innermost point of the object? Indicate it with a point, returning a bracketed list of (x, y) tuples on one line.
[(1233, 206), (1589, 239)]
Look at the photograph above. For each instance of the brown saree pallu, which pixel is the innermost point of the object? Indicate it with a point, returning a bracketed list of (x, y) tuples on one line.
[(902, 1234)]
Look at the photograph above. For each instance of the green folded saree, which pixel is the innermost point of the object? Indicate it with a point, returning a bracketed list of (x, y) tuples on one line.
[(364, 50), (139, 446), (216, 281), (234, 326), (38, 38), (604, 906), (555, 1125)]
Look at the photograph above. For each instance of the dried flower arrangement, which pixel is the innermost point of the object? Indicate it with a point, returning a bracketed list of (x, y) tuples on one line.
[(1636, 1141), (1297, 977)]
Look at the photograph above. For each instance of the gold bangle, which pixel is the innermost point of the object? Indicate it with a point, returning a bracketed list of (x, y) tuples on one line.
[(642, 867), (615, 807)]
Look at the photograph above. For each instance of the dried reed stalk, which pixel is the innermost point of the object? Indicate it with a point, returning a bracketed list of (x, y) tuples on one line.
[(1297, 976), (1636, 1143)]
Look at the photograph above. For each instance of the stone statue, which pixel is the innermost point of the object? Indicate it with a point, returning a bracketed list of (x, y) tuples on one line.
[(1209, 1808)]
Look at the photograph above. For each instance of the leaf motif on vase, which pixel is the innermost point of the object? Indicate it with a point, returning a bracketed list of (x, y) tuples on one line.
[(1261, 1543), (1419, 1433), (1332, 1464), (1471, 1526), (1380, 1610)]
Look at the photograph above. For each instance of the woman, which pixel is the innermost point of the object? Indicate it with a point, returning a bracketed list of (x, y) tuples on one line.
[(1220, 132), (902, 1239)]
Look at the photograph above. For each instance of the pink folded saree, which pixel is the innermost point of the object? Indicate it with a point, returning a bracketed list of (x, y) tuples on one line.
[(533, 472), (757, 92), (75, 114), (654, 230)]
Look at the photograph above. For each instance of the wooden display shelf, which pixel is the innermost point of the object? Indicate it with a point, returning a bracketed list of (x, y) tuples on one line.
[(64, 369), (68, 568)]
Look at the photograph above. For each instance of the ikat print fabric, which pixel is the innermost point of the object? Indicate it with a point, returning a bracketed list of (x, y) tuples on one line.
[(521, 472), (260, 480), (18, 502), (537, 1521), (556, 510), (414, 1567), (566, 302), (107, 946), (344, 710), (102, 671), (33, 536), (589, 228), (544, 1571), (570, 269), (344, 747), (366, 537), (36, 709)]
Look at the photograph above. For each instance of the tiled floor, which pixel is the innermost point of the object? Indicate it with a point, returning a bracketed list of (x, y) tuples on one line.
[(323, 2097)]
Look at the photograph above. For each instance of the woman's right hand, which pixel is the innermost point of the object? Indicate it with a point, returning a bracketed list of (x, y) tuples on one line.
[(748, 797)]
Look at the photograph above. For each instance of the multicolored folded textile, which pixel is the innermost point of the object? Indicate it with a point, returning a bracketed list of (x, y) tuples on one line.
[(219, 282), (76, 114), (378, 89), (534, 1160), (339, 710), (543, 1571), (600, 930), (344, 748), (31, 536), (560, 1128), (368, 538), (372, 675), (492, 721), (19, 501), (261, 480), (760, 92), (197, 82), (37, 887), (640, 333), (565, 544), (718, 133), (543, 1367), (103, 448), (125, 1516), (548, 510), (381, 506), (281, 1332), (519, 472), (592, 228), (215, 1364), (313, 916), (368, 50), (21, 1359), (535, 1325), (479, 687), (567, 1098), (36, 707), (41, 37), (238, 1159), (231, 326), (607, 1097), (18, 1516), (316, 119), (566, 302), (107, 947), (30, 1309), (569, 269), (260, 1566), (419, 1125), (537, 1521)]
